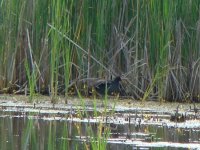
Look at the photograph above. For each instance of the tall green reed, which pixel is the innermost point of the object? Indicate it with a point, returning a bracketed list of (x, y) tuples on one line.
[(137, 38), (61, 49)]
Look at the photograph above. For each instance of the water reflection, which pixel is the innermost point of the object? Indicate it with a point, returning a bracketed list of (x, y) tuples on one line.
[(18, 131)]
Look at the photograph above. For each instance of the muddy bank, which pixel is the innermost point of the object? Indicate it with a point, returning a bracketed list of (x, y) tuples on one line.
[(126, 104)]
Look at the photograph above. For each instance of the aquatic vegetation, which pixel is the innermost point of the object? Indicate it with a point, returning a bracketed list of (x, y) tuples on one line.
[(154, 45)]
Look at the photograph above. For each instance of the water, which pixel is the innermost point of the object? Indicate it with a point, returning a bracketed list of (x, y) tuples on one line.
[(141, 129)]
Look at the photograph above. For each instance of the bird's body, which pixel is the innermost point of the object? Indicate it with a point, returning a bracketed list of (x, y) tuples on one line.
[(112, 87)]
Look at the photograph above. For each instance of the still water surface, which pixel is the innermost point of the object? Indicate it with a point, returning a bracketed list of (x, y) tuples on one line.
[(20, 130)]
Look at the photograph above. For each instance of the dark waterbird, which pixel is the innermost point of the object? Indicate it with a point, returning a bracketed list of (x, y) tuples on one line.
[(112, 87)]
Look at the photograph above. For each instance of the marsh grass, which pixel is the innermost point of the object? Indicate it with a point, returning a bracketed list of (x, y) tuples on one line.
[(31, 80), (98, 137), (72, 40)]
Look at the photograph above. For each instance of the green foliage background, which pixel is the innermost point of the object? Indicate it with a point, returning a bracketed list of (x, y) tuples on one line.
[(153, 44)]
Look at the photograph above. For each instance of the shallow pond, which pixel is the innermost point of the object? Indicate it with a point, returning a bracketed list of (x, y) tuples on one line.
[(94, 126)]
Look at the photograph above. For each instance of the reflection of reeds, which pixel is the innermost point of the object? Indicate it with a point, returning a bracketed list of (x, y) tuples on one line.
[(153, 44)]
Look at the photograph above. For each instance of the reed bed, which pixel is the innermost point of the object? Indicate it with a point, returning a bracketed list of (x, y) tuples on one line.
[(152, 44)]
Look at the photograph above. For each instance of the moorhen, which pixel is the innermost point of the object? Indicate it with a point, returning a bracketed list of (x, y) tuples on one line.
[(113, 87)]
